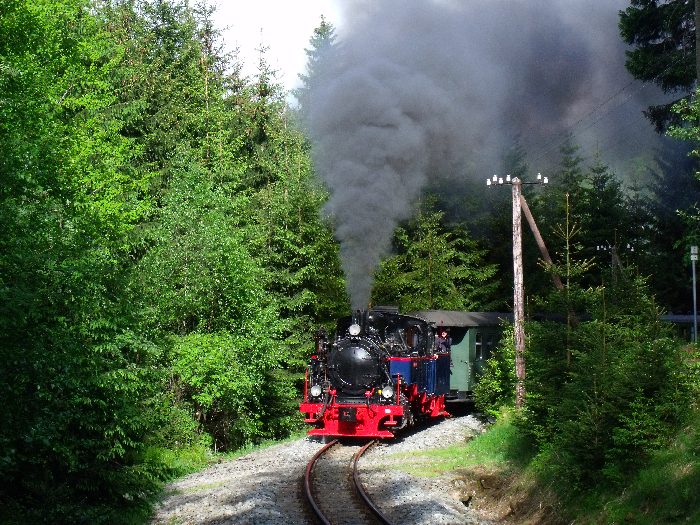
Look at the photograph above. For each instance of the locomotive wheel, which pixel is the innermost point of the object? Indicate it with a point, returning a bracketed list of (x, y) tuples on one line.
[(409, 416)]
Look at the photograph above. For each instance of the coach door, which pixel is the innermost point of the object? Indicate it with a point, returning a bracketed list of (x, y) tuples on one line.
[(460, 369)]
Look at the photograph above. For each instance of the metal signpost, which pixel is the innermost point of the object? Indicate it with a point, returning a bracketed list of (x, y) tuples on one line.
[(693, 258)]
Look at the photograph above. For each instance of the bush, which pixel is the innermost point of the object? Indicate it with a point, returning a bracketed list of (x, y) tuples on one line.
[(600, 406), (229, 381), (496, 386), (603, 392)]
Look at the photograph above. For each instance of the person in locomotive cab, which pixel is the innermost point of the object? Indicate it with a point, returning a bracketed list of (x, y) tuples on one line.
[(443, 341)]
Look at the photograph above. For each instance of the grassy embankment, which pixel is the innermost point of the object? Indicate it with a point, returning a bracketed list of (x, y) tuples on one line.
[(496, 473)]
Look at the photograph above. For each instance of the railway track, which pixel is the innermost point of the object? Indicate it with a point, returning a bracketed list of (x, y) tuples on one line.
[(334, 490)]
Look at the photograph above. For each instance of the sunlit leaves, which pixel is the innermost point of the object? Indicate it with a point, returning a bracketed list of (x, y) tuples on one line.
[(435, 268)]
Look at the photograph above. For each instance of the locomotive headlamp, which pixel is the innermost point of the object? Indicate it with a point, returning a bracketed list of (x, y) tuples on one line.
[(315, 390), (387, 391), (354, 329)]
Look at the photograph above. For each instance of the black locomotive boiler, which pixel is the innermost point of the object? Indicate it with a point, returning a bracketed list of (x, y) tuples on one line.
[(381, 371)]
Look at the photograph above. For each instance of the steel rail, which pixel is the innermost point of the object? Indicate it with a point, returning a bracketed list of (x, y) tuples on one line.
[(307, 483), (361, 489)]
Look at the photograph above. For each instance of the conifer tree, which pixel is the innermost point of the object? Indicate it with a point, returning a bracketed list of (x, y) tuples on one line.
[(605, 220), (662, 36), (322, 43), (286, 230), (435, 268)]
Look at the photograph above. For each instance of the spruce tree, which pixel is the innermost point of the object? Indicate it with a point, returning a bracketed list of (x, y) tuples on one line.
[(435, 268), (321, 45), (662, 36)]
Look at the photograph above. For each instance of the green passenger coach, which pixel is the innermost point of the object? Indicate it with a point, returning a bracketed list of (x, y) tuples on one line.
[(474, 336)]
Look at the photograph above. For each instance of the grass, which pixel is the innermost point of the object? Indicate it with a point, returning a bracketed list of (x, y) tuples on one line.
[(666, 490), (262, 445), (490, 472), (182, 461), (497, 465), (502, 447)]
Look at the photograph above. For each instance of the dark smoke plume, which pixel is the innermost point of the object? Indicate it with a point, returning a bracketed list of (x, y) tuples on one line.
[(423, 90)]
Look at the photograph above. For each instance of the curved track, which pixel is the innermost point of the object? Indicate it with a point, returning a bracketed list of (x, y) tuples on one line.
[(338, 496)]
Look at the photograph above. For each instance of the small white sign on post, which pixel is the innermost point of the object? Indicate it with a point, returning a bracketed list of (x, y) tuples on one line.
[(693, 253)]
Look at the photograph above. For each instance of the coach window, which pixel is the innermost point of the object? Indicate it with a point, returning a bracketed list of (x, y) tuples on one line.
[(477, 345), (489, 347)]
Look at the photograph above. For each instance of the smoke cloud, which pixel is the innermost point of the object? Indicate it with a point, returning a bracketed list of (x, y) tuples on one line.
[(423, 90)]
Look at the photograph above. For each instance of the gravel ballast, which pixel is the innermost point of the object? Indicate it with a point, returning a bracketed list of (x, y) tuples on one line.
[(264, 486)]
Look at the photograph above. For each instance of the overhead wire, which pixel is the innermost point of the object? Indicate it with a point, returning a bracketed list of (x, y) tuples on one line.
[(555, 143), (615, 131)]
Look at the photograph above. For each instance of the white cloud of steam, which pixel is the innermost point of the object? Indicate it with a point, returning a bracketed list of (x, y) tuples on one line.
[(423, 89)]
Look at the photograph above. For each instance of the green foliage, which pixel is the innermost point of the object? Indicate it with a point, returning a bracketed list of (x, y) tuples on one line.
[(606, 384), (139, 310), (662, 36), (163, 260), (290, 239), (435, 268), (496, 386), (80, 376), (197, 273), (664, 491), (615, 396), (687, 219), (225, 378), (320, 47), (617, 224)]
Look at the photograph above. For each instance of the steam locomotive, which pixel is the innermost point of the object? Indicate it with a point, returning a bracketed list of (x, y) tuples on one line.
[(382, 371)]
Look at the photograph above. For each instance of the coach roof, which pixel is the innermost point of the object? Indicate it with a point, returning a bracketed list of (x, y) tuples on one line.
[(463, 319)]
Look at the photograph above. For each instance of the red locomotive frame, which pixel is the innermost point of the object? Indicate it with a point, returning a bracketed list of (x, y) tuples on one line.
[(374, 419)]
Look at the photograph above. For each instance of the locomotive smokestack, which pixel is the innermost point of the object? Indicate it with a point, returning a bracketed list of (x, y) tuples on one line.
[(357, 317)]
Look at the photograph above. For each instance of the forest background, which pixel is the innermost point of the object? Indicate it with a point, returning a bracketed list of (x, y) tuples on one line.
[(164, 261)]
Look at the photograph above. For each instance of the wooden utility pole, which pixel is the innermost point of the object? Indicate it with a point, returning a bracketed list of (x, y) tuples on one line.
[(518, 296), (519, 205)]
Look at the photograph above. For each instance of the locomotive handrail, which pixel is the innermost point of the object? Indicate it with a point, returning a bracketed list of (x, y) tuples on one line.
[(398, 389), (306, 385)]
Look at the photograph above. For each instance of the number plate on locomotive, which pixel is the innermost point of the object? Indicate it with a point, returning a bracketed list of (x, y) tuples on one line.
[(347, 414)]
